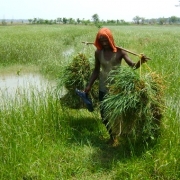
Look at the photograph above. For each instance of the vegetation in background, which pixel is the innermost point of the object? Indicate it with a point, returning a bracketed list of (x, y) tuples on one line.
[(40, 139), (172, 20)]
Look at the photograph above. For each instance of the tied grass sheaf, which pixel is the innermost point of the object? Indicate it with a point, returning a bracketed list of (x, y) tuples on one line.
[(40, 138), (76, 75), (134, 104)]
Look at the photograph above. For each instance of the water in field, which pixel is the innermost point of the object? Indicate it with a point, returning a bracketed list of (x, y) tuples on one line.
[(68, 52), (17, 86)]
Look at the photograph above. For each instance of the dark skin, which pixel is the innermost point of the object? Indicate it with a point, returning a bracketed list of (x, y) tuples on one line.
[(108, 53)]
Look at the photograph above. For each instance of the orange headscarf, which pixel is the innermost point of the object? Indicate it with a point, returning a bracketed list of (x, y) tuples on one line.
[(107, 33)]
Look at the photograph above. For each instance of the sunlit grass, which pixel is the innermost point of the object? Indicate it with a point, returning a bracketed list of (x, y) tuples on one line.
[(40, 139)]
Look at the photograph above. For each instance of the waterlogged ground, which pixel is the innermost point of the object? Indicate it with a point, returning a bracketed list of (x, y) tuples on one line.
[(17, 86)]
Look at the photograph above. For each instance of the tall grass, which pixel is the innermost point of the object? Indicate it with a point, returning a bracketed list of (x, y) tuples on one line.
[(40, 139), (41, 45)]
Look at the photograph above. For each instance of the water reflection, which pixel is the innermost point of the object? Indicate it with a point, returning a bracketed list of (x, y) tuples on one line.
[(12, 87)]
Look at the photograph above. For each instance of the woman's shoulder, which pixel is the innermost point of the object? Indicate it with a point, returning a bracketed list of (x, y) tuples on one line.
[(98, 52), (120, 51)]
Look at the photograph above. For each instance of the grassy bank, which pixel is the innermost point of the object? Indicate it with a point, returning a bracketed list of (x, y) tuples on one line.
[(40, 139)]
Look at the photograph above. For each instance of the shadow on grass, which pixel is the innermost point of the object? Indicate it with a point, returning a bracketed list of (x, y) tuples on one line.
[(91, 132)]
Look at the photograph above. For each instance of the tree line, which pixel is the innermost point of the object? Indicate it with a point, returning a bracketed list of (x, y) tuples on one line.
[(96, 20)]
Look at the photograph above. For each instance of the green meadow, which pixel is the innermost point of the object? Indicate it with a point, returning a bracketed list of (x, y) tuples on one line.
[(40, 139)]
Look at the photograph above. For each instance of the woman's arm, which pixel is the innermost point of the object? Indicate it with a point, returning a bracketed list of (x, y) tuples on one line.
[(131, 63), (94, 74)]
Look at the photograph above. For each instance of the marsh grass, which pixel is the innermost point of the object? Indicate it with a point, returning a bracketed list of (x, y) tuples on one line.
[(40, 139)]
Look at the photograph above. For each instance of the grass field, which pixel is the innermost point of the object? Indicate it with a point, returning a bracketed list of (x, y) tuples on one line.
[(42, 140)]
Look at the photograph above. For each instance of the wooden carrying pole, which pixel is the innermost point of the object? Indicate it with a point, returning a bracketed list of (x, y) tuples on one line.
[(139, 55)]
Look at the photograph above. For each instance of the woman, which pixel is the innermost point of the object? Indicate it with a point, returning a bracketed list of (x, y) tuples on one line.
[(107, 57)]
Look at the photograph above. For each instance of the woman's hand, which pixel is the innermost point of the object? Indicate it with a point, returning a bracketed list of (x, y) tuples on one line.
[(143, 58), (87, 89)]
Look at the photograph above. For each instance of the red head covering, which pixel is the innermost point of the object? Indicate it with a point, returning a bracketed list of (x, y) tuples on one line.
[(106, 33)]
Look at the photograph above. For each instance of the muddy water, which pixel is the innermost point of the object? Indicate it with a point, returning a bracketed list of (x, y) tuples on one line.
[(13, 86)]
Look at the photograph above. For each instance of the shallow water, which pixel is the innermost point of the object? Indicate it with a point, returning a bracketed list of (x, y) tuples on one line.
[(11, 84), (16, 86), (68, 52)]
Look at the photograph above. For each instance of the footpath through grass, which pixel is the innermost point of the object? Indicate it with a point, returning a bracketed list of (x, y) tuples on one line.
[(42, 140)]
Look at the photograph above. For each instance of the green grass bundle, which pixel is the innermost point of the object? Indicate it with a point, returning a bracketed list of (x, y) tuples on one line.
[(76, 74), (134, 104)]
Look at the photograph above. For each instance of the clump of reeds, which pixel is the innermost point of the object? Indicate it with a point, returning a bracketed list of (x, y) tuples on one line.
[(134, 104), (76, 74)]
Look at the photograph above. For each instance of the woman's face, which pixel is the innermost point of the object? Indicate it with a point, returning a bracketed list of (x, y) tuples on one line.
[(104, 42)]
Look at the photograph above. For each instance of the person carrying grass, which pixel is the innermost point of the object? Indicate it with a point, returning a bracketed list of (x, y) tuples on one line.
[(107, 58)]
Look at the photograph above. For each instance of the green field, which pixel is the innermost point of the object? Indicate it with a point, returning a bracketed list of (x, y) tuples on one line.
[(42, 140)]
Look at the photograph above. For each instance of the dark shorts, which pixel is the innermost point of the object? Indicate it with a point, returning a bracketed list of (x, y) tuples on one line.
[(101, 95)]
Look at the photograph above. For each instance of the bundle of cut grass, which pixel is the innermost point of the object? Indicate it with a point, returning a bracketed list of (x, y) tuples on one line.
[(134, 104), (76, 75)]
